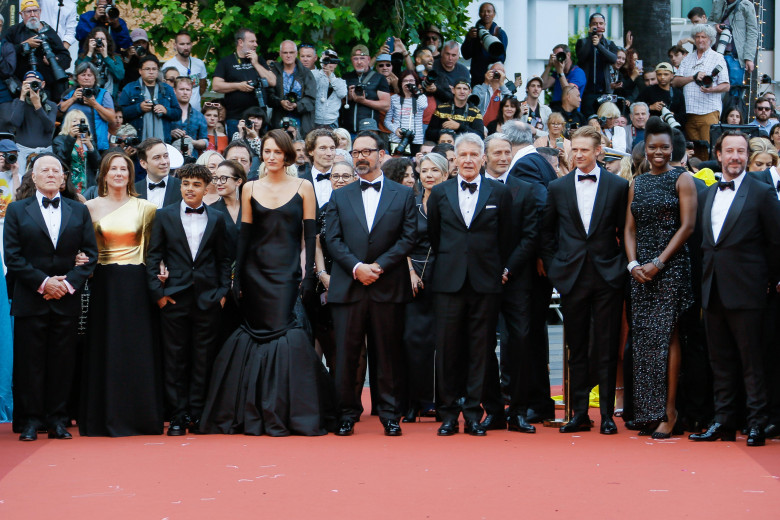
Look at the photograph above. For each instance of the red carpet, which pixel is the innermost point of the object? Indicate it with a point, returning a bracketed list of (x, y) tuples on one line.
[(369, 476)]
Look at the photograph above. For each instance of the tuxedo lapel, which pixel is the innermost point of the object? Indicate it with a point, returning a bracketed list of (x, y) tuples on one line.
[(385, 199), (140, 187), (735, 210), (65, 213), (574, 208), (210, 224), (485, 189), (356, 200), (706, 215), (35, 212), (451, 189), (602, 193)]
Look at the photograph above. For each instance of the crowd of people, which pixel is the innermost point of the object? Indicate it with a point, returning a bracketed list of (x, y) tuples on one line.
[(234, 253)]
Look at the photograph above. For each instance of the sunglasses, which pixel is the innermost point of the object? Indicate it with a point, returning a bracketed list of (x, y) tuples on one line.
[(306, 46), (211, 105)]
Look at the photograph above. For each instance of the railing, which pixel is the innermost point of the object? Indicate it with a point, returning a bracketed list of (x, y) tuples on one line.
[(580, 11)]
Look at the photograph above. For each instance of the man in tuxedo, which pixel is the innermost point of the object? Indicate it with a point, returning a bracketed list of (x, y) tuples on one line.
[(741, 261), (189, 239), (158, 187), (517, 356), (470, 228), (370, 229), (582, 252), (42, 236), (321, 147), (530, 166)]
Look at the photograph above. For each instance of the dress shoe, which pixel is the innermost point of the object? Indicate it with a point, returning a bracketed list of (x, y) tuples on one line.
[(411, 415), (29, 433), (177, 427), (448, 428), (715, 432), (392, 428), (518, 423), (632, 425), (195, 427), (533, 417), (493, 422), (771, 431), (756, 437), (59, 432), (474, 428), (608, 426), (579, 423), (345, 428)]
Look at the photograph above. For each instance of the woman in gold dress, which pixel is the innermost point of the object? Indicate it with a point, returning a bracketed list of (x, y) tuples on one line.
[(122, 392)]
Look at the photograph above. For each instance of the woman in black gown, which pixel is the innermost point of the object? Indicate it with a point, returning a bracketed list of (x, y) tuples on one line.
[(660, 217), (265, 378)]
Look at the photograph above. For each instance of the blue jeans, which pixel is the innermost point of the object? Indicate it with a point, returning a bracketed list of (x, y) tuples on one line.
[(736, 74)]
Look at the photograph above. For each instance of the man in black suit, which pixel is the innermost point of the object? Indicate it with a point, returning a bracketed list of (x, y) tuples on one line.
[(518, 358), (189, 239), (370, 229), (528, 165), (158, 186), (321, 148), (42, 236), (470, 227), (582, 252), (741, 261)]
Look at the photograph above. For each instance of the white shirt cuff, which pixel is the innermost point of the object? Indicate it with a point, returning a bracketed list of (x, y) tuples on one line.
[(354, 270)]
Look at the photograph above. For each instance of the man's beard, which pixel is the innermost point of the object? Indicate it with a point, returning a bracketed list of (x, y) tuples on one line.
[(362, 167), (185, 53), (33, 24)]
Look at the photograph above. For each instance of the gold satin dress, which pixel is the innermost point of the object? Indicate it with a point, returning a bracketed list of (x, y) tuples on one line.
[(122, 385)]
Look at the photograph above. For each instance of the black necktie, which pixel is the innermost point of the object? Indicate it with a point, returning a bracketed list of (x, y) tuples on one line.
[(198, 210), (323, 176), (587, 177), (722, 185), (54, 202), (778, 186), (471, 186), (160, 184), (364, 185)]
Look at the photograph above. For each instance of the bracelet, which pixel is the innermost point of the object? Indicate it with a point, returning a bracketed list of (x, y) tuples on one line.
[(632, 264), (658, 263), (411, 269), (320, 273)]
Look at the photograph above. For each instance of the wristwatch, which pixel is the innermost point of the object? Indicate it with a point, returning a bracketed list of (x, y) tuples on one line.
[(631, 265), (658, 263)]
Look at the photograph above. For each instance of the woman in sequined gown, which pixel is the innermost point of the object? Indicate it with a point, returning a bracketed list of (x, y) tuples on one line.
[(660, 217)]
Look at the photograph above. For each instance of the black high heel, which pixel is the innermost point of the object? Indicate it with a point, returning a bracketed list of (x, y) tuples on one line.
[(412, 415), (676, 430)]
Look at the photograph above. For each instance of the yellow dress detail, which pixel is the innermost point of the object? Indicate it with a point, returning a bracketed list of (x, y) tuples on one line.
[(123, 235)]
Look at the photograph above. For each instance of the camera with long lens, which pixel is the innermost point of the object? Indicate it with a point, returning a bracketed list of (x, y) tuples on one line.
[(724, 39), (154, 104), (29, 53), (112, 11), (407, 136), (413, 89), (140, 51), (259, 84), (430, 78), (667, 116), (83, 127), (287, 122), (10, 158), (35, 86), (608, 98), (473, 99), (360, 89), (291, 97), (127, 141), (560, 56), (56, 69), (329, 60), (490, 43), (706, 81)]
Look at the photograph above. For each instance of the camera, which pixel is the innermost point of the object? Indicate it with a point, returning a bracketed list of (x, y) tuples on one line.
[(512, 88), (287, 123), (10, 157), (328, 60), (249, 124), (112, 11), (83, 127), (560, 56), (140, 51), (496, 74), (473, 99), (35, 86), (407, 136), (608, 98), (430, 78), (707, 81), (98, 44), (291, 97), (360, 89), (128, 141), (723, 40), (259, 84), (490, 43), (667, 116), (87, 92), (29, 53), (56, 69), (154, 104), (593, 32), (413, 89)]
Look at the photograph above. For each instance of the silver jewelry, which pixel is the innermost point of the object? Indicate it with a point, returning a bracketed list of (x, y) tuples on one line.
[(658, 263)]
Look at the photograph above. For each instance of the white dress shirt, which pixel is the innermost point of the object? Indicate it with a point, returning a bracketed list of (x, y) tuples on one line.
[(371, 201), (522, 152), (467, 200), (194, 227), (52, 216), (322, 188), (775, 180), (721, 205), (501, 178), (157, 195), (586, 195)]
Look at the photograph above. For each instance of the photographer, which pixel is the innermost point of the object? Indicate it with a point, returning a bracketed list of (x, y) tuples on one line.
[(491, 91), (10, 180), (595, 54), (459, 116), (251, 129), (192, 127), (76, 150), (447, 64), (239, 76), (561, 72), (570, 109), (533, 111), (7, 67), (104, 15), (294, 95), (368, 91), (739, 18), (188, 65), (663, 95), (472, 47), (406, 111), (100, 53), (37, 45), (133, 54), (33, 116), (331, 90), (434, 84), (96, 103), (149, 104)]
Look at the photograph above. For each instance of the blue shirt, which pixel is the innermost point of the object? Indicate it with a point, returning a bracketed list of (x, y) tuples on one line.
[(195, 126), (575, 76)]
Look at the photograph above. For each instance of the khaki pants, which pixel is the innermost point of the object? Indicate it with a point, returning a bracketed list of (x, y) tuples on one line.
[(697, 128)]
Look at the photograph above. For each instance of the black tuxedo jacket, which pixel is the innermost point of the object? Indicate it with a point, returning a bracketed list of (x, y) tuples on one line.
[(535, 169), (305, 173), (480, 251), (746, 256), (208, 274), (564, 243), (389, 242), (525, 230), (31, 257), (764, 176), (172, 190)]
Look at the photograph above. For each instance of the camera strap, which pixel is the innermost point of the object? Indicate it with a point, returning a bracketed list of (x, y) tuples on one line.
[(728, 12)]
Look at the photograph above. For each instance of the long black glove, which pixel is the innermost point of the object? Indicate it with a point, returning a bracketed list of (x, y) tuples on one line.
[(243, 245), (310, 242)]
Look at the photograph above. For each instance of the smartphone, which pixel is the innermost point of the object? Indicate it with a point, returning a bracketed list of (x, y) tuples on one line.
[(390, 42), (559, 143), (518, 76), (640, 65)]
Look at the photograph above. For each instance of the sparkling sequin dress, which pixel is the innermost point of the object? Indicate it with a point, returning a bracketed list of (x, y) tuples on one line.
[(656, 305)]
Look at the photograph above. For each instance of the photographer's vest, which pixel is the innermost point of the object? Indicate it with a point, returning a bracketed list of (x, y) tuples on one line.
[(98, 125)]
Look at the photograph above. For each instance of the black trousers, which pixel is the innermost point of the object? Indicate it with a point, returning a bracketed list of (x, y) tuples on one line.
[(772, 355), (420, 349), (190, 339), (383, 324), (44, 363), (593, 309), (539, 389), (734, 338), (465, 330)]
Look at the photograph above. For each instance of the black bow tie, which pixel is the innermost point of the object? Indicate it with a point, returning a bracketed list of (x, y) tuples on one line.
[(587, 177), (323, 176), (198, 210), (54, 202), (471, 186), (160, 184), (364, 185), (722, 185)]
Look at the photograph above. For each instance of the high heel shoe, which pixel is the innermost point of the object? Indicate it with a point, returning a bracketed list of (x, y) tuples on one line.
[(412, 415)]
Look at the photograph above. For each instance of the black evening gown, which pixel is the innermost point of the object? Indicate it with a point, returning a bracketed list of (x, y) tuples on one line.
[(265, 378), (656, 306)]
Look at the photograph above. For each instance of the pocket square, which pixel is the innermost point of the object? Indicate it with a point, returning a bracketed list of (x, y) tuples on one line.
[(490, 207)]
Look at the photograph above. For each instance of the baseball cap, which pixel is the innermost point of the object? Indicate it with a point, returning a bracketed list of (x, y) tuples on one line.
[(462, 81), (139, 34), (368, 124), (6, 145), (330, 53), (33, 74), (664, 66), (384, 57), (27, 4), (359, 49)]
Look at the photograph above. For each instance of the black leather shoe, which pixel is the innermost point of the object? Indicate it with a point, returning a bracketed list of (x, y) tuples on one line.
[(771, 431), (29, 433), (518, 423), (195, 427), (411, 415), (177, 427), (493, 422), (608, 426), (532, 417), (715, 432), (448, 428), (345, 428), (59, 432), (392, 428), (474, 428), (756, 437), (579, 423)]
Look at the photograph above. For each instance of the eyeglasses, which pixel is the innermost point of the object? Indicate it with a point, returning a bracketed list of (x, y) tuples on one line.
[(384, 64), (211, 105), (363, 153), (31, 11), (342, 177), (222, 179)]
